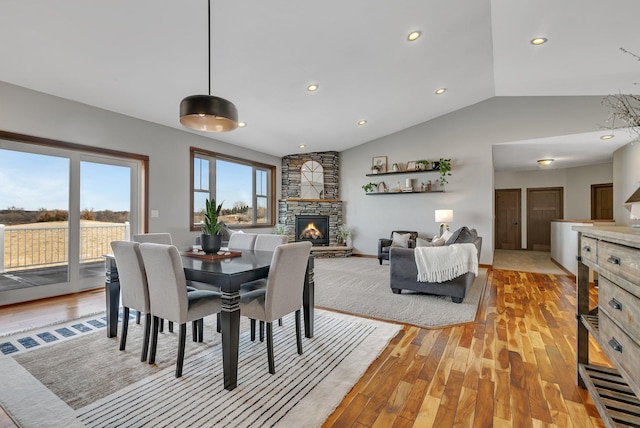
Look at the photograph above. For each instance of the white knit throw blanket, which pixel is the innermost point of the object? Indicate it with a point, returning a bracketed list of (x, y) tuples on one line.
[(439, 264)]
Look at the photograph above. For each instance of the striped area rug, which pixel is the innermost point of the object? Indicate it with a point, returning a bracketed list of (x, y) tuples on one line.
[(303, 392)]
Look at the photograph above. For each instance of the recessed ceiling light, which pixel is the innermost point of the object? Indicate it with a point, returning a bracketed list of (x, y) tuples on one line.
[(441, 91), (545, 162), (302, 146), (606, 137), (538, 41), (312, 87), (242, 124), (413, 36), (362, 122)]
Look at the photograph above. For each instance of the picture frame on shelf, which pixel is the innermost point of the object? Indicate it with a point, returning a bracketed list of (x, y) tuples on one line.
[(411, 166), (380, 162)]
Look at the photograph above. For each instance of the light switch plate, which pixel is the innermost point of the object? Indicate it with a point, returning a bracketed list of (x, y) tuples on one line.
[(155, 213)]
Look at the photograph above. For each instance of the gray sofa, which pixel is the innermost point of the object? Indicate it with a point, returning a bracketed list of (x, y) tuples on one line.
[(404, 274)]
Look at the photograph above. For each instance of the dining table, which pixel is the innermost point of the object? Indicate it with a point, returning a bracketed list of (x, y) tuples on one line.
[(228, 274)]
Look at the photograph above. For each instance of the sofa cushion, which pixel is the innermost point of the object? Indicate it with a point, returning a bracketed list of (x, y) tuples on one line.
[(435, 242), (462, 236), (400, 239)]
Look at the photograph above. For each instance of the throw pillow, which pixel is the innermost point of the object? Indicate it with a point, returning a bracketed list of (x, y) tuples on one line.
[(437, 242), (423, 243), (446, 235), (400, 239), (462, 236)]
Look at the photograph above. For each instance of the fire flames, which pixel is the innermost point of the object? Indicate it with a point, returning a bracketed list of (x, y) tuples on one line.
[(311, 232)]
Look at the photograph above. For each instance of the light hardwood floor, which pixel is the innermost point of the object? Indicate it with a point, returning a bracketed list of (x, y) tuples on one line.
[(513, 367)]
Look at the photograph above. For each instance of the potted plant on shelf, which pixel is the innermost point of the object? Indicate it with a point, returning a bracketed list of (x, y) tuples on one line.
[(375, 169), (444, 166), (210, 239), (422, 165), (343, 234), (370, 187)]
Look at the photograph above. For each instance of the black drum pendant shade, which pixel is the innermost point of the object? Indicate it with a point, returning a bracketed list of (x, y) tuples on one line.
[(206, 112)]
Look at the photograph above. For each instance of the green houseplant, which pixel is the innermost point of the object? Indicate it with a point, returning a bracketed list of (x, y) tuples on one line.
[(444, 166), (343, 234), (370, 187), (210, 239)]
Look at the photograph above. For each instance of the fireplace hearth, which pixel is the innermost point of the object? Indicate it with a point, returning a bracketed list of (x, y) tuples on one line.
[(312, 228)]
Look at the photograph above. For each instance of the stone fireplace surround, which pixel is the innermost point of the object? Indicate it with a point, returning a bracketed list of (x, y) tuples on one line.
[(291, 204)]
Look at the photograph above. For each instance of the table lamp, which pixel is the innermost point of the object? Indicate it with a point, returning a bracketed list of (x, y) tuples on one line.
[(444, 217)]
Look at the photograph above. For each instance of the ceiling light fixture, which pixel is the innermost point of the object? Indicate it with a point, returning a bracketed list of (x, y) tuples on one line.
[(545, 162), (206, 112), (302, 146), (362, 122), (413, 36), (606, 137), (441, 91), (313, 87), (538, 41)]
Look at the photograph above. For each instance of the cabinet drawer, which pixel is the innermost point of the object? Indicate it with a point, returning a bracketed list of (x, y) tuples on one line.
[(620, 260), (620, 305), (589, 249), (622, 350)]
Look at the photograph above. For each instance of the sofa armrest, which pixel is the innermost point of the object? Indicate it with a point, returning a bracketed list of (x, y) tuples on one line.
[(402, 265)]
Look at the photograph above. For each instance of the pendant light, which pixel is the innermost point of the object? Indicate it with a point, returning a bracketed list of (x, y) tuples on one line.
[(206, 112)]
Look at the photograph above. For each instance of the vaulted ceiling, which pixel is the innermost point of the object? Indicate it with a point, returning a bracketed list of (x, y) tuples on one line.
[(141, 58)]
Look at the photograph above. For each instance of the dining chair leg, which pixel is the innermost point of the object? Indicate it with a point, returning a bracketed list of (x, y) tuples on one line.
[(280, 322), (253, 330), (201, 330), (194, 330), (261, 331), (298, 332), (218, 323), (181, 343), (154, 340), (138, 317), (272, 365), (161, 325), (170, 326), (145, 340), (125, 328)]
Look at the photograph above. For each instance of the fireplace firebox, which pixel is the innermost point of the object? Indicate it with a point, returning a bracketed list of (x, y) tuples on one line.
[(313, 228)]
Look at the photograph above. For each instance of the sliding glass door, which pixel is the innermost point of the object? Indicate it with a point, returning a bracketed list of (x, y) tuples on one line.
[(59, 210)]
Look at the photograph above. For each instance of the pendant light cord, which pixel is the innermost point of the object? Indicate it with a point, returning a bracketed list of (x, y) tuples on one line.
[(209, 44)]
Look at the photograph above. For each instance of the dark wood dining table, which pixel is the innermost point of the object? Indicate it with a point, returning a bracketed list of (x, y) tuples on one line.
[(228, 274)]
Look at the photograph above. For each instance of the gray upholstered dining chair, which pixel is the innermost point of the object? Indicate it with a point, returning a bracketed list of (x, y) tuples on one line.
[(168, 296), (269, 242), (241, 241), (279, 294), (133, 288), (156, 238)]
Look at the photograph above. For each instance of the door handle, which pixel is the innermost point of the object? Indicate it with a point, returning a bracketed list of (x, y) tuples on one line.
[(614, 260), (615, 345), (615, 304)]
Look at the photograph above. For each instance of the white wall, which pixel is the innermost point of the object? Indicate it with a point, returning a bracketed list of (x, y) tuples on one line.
[(575, 181), (28, 112), (626, 178), (466, 136)]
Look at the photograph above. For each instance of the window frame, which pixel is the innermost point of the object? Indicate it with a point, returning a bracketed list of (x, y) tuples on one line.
[(195, 152)]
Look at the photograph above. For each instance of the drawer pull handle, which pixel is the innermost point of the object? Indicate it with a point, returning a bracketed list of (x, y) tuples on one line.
[(615, 345), (586, 249), (615, 304), (614, 260)]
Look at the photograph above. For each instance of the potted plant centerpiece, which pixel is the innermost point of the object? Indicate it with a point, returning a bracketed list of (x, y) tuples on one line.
[(210, 239)]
